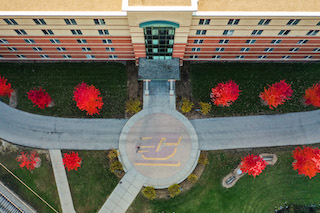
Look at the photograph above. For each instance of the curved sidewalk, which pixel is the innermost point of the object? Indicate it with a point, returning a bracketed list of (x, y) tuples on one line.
[(47, 132), (258, 131)]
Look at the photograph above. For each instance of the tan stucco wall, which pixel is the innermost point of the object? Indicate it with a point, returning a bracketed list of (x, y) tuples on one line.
[(159, 2)]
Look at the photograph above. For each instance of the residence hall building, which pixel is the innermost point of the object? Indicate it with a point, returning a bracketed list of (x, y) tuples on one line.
[(192, 30)]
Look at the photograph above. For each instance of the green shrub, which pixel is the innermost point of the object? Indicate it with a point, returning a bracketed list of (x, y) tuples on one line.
[(203, 159), (149, 192), (186, 105), (133, 106), (174, 190), (205, 108), (113, 154), (192, 178), (116, 166)]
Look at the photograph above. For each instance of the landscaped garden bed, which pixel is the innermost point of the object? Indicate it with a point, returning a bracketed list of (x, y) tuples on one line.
[(252, 78), (59, 81)]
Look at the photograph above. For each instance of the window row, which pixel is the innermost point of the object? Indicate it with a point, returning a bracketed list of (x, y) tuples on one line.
[(56, 41), (50, 32), (86, 49), (40, 21), (247, 49), (260, 22), (259, 57), (64, 56), (257, 32), (249, 41)]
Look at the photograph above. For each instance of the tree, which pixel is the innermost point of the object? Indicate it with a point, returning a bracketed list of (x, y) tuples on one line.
[(87, 98), (71, 161), (149, 192), (174, 190), (225, 94), (312, 95), (307, 161), (5, 89), (276, 94), (39, 97), (253, 165), (28, 160)]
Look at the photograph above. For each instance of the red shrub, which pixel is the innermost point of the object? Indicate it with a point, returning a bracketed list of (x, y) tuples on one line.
[(88, 98), (28, 161), (224, 94), (277, 94), (308, 161), (312, 95), (71, 161), (5, 89), (39, 97), (253, 165)]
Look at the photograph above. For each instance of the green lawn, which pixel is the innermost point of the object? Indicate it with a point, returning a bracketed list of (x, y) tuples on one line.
[(59, 80), (93, 182), (252, 78), (276, 185), (41, 180)]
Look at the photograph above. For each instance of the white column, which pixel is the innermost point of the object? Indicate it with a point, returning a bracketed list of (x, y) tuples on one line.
[(146, 91), (171, 92)]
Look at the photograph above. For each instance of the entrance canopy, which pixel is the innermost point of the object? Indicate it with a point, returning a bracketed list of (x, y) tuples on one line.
[(159, 69)]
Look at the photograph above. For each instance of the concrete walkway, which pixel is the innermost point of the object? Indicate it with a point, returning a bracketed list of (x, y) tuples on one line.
[(258, 131), (47, 132), (61, 182), (159, 95)]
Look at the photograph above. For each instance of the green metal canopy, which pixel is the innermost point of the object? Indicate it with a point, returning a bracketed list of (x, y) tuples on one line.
[(159, 24)]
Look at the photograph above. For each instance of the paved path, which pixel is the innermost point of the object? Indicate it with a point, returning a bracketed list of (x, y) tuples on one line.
[(258, 131), (124, 193), (58, 133), (61, 182), (159, 95)]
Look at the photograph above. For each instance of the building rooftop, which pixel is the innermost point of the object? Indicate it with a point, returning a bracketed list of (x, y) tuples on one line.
[(159, 2)]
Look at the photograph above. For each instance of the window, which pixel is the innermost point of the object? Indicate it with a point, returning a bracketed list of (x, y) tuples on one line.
[(220, 49), (39, 21), (202, 32), (20, 56), (239, 56), (204, 21), (198, 41), (268, 49), (194, 56), (10, 21), (196, 49), (302, 41), (61, 49), (295, 49), (76, 32), (284, 32), (103, 32), (264, 21), (312, 32), (99, 22), (21, 32), (245, 49), (224, 41), (44, 56), (54, 41), (113, 56), (1, 56), (12, 49), (110, 49), (318, 23), (216, 56), (3, 41), (256, 32), (48, 32), (262, 56), (66, 56), (107, 41), (251, 41), (86, 49), (233, 21), (37, 48), (29, 41), (228, 32), (90, 56), (70, 21), (81, 41), (316, 50), (286, 56), (277, 41), (308, 56), (293, 21)]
